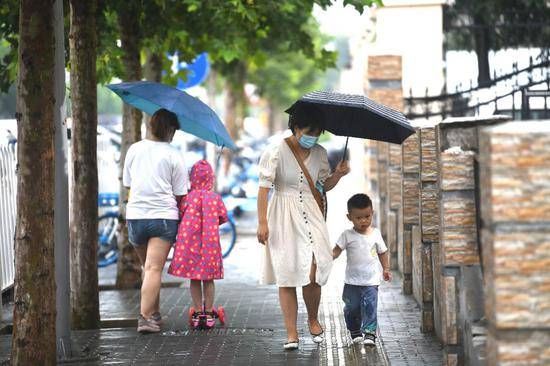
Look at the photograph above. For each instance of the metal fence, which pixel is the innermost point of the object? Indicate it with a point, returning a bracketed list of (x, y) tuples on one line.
[(510, 93), (108, 182), (8, 193)]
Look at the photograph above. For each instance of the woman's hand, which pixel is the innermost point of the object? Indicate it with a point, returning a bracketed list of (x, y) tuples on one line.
[(263, 230), (263, 233), (342, 168)]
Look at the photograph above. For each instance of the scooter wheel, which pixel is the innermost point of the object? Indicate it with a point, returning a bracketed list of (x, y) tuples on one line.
[(221, 315), (191, 312)]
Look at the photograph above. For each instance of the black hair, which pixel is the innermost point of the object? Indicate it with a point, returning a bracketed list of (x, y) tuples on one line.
[(163, 123), (359, 200), (310, 120)]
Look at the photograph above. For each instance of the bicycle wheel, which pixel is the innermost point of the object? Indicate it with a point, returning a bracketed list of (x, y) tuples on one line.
[(107, 249), (228, 237)]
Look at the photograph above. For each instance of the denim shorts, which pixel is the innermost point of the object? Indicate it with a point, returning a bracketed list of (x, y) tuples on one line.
[(141, 230)]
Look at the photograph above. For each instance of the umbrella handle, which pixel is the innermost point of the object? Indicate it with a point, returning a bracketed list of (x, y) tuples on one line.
[(345, 149), (219, 156)]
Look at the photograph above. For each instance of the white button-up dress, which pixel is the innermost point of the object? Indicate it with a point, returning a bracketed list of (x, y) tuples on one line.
[(297, 230)]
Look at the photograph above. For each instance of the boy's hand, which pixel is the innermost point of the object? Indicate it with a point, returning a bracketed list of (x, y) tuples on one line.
[(387, 275), (336, 251)]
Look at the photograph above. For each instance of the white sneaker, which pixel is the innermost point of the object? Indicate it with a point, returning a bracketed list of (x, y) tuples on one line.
[(369, 341), (357, 340)]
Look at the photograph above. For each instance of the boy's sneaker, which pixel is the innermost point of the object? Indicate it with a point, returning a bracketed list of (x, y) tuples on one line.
[(157, 318), (369, 340), (356, 337), (147, 325)]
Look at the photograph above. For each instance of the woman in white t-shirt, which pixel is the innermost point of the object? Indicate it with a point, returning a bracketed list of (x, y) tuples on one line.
[(155, 173)]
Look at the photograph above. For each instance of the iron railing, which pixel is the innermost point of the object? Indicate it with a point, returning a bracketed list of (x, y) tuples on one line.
[(509, 93), (8, 201)]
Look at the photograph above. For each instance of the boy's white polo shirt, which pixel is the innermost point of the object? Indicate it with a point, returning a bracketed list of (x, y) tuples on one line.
[(363, 266)]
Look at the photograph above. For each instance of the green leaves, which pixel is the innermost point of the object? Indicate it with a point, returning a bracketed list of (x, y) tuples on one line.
[(360, 5), (9, 42), (247, 30)]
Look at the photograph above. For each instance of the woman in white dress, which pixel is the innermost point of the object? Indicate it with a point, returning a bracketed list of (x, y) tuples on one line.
[(298, 252)]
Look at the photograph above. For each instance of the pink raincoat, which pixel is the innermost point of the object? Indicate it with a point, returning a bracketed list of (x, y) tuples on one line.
[(197, 255)]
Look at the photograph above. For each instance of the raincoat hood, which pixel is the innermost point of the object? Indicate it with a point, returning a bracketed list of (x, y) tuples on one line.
[(202, 176)]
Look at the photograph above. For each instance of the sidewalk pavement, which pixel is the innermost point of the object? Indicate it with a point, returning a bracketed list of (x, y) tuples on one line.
[(254, 331)]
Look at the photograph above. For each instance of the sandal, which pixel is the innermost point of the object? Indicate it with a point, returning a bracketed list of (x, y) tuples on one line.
[(319, 337), (290, 346)]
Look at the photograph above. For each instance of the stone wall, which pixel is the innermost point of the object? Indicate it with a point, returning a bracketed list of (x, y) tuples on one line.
[(458, 280), (383, 84), (467, 212), (371, 181), (515, 202), (382, 163), (427, 240), (411, 215), (464, 207), (394, 211)]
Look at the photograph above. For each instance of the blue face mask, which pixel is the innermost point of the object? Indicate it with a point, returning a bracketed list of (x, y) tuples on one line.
[(307, 142)]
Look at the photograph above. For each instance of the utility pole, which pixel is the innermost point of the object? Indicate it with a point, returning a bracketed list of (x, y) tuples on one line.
[(61, 204)]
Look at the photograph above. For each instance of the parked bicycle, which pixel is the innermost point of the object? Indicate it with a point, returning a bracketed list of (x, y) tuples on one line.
[(108, 221)]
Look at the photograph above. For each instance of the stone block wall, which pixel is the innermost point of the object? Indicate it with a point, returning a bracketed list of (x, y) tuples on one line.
[(394, 208), (383, 84), (515, 211), (456, 263), (464, 207), (427, 241), (412, 283), (371, 177), (384, 67), (472, 231), (382, 163)]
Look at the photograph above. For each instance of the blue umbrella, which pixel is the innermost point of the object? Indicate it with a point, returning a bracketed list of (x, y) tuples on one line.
[(194, 116)]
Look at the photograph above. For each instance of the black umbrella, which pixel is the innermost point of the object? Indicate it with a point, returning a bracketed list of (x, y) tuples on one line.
[(353, 116)]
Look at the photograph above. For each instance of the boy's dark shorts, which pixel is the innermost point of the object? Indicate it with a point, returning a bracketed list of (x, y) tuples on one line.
[(141, 230)]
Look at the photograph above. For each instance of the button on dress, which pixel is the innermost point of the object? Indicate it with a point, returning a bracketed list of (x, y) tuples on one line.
[(297, 230)]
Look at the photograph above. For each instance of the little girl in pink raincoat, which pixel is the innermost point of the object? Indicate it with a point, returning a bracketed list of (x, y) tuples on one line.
[(197, 254)]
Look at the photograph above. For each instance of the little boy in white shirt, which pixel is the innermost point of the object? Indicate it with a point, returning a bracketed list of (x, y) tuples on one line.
[(367, 264)]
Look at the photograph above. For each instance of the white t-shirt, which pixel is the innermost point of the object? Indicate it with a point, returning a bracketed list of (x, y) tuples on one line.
[(363, 266), (155, 173)]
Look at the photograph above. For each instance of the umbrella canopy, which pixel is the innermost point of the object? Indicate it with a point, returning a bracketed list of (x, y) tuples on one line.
[(194, 116), (353, 116)]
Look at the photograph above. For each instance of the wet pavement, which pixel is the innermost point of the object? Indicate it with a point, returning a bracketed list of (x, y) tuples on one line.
[(254, 333)]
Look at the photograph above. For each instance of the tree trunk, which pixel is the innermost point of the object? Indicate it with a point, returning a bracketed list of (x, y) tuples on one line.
[(271, 119), (84, 235), (482, 47), (152, 71), (153, 67), (128, 265), (211, 148), (230, 124), (236, 99), (231, 102), (34, 315), (235, 106)]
